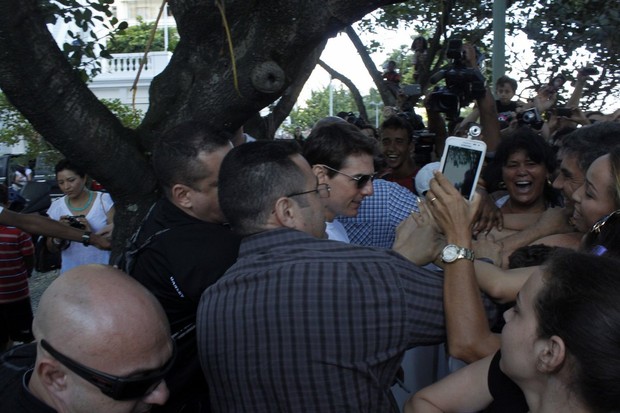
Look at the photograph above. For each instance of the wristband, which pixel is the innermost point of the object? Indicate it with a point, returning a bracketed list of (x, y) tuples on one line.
[(86, 238)]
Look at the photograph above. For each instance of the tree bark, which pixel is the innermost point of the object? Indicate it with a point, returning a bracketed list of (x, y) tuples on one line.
[(357, 96), (270, 40), (388, 98)]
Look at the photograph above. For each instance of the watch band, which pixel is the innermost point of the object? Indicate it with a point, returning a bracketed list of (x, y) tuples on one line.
[(86, 238)]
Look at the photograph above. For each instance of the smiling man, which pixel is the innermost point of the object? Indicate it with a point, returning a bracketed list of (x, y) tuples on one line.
[(396, 136), (343, 158)]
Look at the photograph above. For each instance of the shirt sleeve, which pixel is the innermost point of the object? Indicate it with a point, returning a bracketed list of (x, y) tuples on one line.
[(106, 201), (25, 243)]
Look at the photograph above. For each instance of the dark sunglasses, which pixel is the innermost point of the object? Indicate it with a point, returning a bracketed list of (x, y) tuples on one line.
[(360, 180), (132, 387), (593, 235)]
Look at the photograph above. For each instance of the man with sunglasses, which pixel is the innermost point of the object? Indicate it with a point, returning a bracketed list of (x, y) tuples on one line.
[(301, 323), (341, 157), (103, 345)]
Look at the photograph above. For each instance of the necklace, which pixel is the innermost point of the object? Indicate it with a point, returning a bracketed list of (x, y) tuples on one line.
[(90, 200)]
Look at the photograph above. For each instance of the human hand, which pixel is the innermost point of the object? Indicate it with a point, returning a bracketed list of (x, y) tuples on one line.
[(488, 215), (453, 214), (101, 242), (486, 246), (556, 220), (545, 99), (418, 238), (106, 231)]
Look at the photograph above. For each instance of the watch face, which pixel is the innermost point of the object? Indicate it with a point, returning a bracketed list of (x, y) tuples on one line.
[(450, 253)]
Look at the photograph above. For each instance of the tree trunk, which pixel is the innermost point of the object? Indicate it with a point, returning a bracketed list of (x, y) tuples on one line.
[(357, 96), (271, 41)]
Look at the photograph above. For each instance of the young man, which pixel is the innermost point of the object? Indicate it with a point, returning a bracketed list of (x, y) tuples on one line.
[(396, 136)]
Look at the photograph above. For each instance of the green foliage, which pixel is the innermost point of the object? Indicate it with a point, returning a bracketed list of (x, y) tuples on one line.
[(86, 16), (570, 34), (317, 107), (563, 35), (135, 38), (14, 127), (129, 117)]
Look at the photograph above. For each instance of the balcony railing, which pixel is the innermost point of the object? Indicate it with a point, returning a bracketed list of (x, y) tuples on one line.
[(126, 65)]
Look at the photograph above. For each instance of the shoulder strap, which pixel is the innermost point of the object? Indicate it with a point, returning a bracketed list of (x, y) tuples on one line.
[(127, 259)]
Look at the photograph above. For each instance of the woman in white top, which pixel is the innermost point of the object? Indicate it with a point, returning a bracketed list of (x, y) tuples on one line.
[(81, 208)]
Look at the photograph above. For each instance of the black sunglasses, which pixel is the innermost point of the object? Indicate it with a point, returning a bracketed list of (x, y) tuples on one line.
[(321, 189), (360, 180), (132, 387), (592, 236)]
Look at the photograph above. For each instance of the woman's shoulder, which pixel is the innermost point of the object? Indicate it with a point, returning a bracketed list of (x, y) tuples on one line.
[(105, 198), (57, 205)]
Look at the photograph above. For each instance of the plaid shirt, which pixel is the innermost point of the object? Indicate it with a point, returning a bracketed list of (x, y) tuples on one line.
[(300, 324), (379, 215)]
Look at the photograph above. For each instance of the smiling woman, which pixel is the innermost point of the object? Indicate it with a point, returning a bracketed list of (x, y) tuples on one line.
[(525, 162)]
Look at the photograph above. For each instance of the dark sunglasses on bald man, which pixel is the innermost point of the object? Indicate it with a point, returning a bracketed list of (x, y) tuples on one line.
[(132, 387)]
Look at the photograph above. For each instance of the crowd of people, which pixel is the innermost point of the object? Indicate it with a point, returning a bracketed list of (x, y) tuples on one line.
[(297, 275)]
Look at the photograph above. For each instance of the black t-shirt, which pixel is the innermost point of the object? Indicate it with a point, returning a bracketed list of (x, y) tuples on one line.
[(507, 396), (177, 266), (15, 370), (510, 107)]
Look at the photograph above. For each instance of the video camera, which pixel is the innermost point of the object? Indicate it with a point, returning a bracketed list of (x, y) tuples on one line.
[(423, 142), (352, 118), (463, 84)]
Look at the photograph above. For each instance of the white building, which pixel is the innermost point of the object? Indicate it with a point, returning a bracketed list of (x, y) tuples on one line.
[(119, 74)]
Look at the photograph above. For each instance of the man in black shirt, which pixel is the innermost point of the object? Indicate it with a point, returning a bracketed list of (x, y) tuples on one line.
[(186, 247)]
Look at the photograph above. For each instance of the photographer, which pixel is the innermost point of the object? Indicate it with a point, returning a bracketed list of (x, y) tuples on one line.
[(563, 120), (80, 208)]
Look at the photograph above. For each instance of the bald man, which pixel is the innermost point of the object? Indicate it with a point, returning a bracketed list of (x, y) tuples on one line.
[(103, 345)]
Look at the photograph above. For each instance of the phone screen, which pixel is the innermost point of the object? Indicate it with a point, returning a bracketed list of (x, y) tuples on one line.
[(462, 167)]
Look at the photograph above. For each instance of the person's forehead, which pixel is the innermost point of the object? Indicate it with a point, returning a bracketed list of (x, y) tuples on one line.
[(570, 162), (357, 161)]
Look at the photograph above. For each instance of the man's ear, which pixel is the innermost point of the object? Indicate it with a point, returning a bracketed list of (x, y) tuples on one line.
[(181, 195), (51, 376), (319, 171), (551, 355), (286, 212)]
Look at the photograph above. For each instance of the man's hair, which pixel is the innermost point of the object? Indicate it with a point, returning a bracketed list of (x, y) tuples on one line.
[(175, 155), (331, 143), (590, 142), (252, 177), (503, 80), (399, 121)]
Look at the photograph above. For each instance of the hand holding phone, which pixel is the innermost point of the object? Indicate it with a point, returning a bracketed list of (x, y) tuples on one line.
[(461, 163)]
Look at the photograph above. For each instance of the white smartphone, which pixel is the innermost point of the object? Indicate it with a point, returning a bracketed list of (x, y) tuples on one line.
[(461, 163)]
